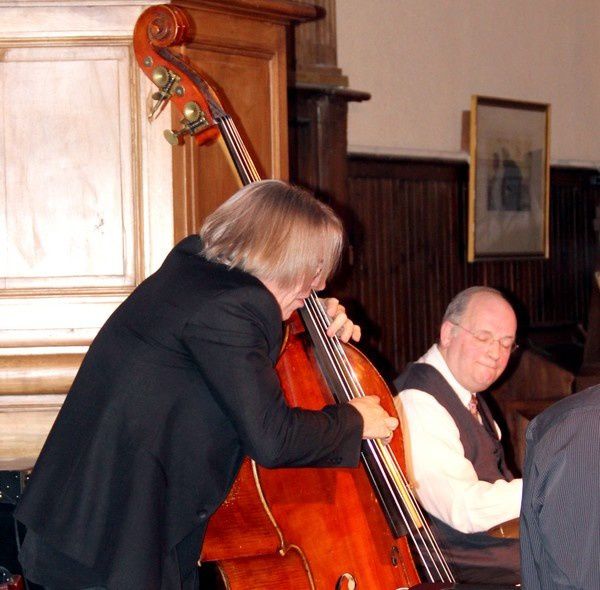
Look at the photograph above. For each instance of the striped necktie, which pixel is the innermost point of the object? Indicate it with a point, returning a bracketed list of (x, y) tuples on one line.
[(473, 407)]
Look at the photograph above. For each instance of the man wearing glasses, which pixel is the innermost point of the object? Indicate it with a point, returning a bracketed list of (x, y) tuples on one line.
[(454, 455)]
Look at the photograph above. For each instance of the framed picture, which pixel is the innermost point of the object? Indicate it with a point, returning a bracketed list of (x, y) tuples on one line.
[(508, 179)]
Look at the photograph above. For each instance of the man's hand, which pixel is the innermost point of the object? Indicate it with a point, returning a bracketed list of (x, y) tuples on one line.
[(341, 326), (377, 422)]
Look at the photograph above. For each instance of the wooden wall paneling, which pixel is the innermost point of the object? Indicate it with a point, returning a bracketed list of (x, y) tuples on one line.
[(69, 217), (24, 424), (410, 240), (82, 207)]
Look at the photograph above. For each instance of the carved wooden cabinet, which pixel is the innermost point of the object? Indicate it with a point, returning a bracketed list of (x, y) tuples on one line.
[(92, 197)]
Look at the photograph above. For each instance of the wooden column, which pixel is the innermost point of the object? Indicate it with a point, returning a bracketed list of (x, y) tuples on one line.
[(318, 100), (315, 45), (318, 138)]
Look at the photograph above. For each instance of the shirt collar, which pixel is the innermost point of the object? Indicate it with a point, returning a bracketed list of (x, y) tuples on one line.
[(434, 358)]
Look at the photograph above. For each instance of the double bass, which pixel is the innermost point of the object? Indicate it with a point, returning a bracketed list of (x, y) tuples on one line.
[(312, 529)]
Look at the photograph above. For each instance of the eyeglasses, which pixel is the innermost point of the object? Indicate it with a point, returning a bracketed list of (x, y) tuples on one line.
[(486, 338)]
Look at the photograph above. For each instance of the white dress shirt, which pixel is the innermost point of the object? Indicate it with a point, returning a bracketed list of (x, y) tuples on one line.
[(444, 480)]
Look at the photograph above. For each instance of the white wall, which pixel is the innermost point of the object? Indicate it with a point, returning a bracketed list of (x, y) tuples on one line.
[(423, 59)]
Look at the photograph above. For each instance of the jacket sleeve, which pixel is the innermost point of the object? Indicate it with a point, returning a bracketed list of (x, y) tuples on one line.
[(230, 338)]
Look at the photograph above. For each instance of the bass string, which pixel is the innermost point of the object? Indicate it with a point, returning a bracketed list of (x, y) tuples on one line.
[(238, 150), (385, 460)]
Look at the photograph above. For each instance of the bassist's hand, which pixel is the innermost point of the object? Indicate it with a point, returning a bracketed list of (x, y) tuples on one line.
[(377, 422), (341, 325)]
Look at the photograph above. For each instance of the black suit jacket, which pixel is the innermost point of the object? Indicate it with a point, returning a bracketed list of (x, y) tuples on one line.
[(178, 386)]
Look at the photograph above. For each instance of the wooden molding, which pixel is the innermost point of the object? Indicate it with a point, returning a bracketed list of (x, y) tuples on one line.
[(38, 374), (286, 11)]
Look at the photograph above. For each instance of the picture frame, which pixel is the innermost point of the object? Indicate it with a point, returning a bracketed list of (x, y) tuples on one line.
[(509, 179)]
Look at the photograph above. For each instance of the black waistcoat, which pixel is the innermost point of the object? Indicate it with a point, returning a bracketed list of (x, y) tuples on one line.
[(473, 557)]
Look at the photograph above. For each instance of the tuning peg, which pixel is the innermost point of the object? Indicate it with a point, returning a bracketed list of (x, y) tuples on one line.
[(175, 137), (162, 77), (194, 114), (166, 80), (155, 105), (194, 121)]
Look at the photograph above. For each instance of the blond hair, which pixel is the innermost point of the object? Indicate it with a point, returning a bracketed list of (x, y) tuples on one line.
[(275, 231)]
